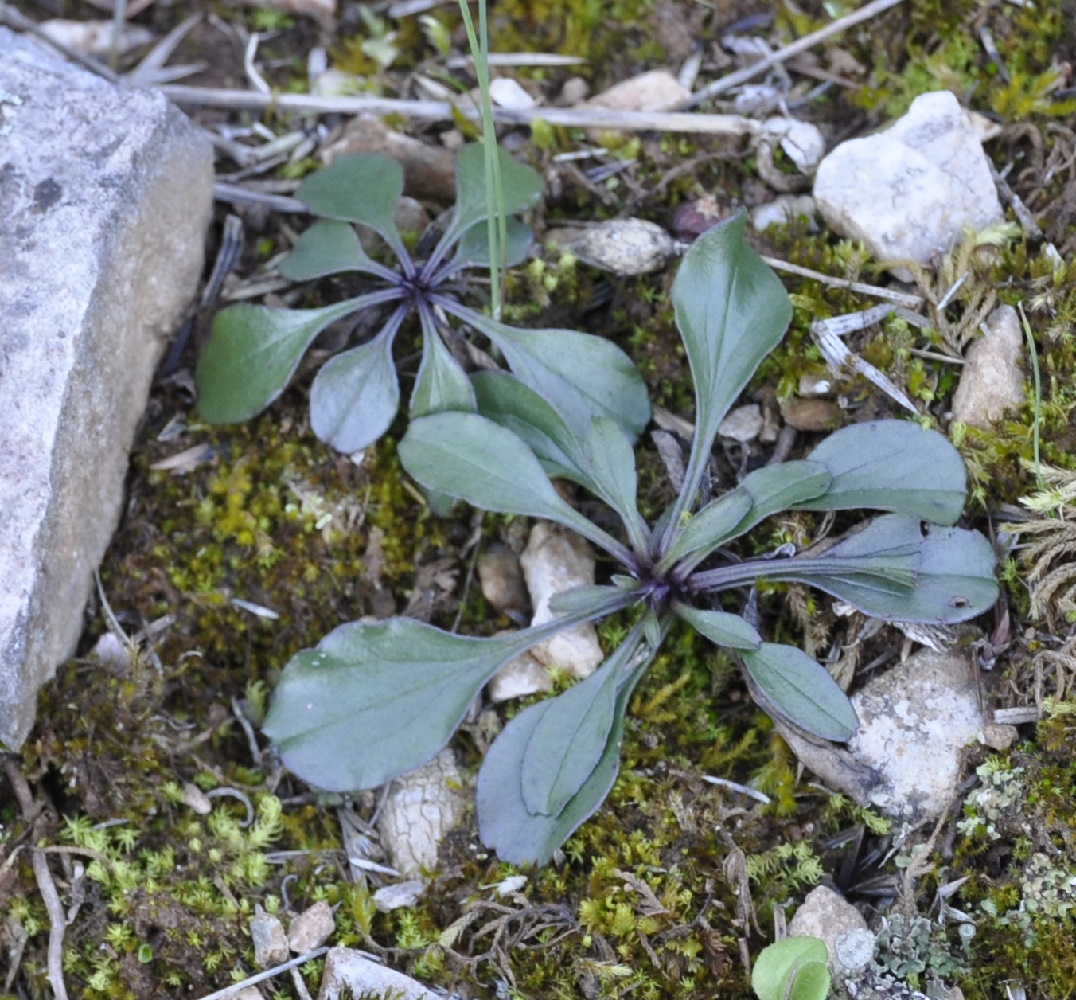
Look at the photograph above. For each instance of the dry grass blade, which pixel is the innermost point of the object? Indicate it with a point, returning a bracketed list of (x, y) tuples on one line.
[(671, 121)]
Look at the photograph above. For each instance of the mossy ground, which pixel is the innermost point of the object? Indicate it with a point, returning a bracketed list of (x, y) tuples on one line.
[(268, 540)]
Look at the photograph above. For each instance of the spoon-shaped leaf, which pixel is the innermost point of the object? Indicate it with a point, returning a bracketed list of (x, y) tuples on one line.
[(504, 822), (373, 701), (767, 491), (356, 395), (329, 247), (510, 403), (715, 524), (441, 383), (732, 311), (594, 601), (775, 488), (893, 569), (360, 188), (611, 464), (720, 627), (520, 184), (802, 690), (253, 352), (569, 740), (471, 458), (953, 572), (891, 465), (581, 376)]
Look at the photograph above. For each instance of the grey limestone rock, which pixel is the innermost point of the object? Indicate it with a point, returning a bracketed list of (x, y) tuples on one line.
[(420, 809), (350, 973), (909, 191), (992, 380), (827, 915), (914, 723), (105, 196)]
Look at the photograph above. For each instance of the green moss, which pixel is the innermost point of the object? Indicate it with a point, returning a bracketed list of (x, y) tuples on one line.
[(601, 33), (941, 49), (1024, 902)]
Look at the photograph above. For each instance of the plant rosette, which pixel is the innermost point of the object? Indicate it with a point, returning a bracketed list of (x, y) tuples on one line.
[(253, 351), (374, 700)]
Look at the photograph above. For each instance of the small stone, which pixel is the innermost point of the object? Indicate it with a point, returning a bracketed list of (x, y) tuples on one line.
[(311, 929), (411, 216), (814, 385), (801, 142), (395, 897), (507, 93), (195, 799), (574, 91), (350, 973), (501, 578), (827, 915), (94, 38), (557, 560), (742, 424), (624, 246), (521, 676), (657, 90), (811, 415), (910, 191), (782, 211), (420, 808), (914, 723), (992, 380), (270, 941)]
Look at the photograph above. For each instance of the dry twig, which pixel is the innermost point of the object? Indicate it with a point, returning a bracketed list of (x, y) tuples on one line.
[(783, 55), (32, 814)]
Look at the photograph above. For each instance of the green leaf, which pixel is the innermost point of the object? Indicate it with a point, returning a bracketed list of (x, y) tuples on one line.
[(504, 822), (732, 311), (893, 569), (473, 247), (510, 403), (360, 188), (441, 383), (720, 627), (355, 396), (253, 352), (521, 185), (581, 376), (327, 247), (592, 601), (471, 458), (712, 526), (792, 969), (373, 701), (611, 464), (801, 690), (811, 982), (891, 465), (568, 741), (775, 488)]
